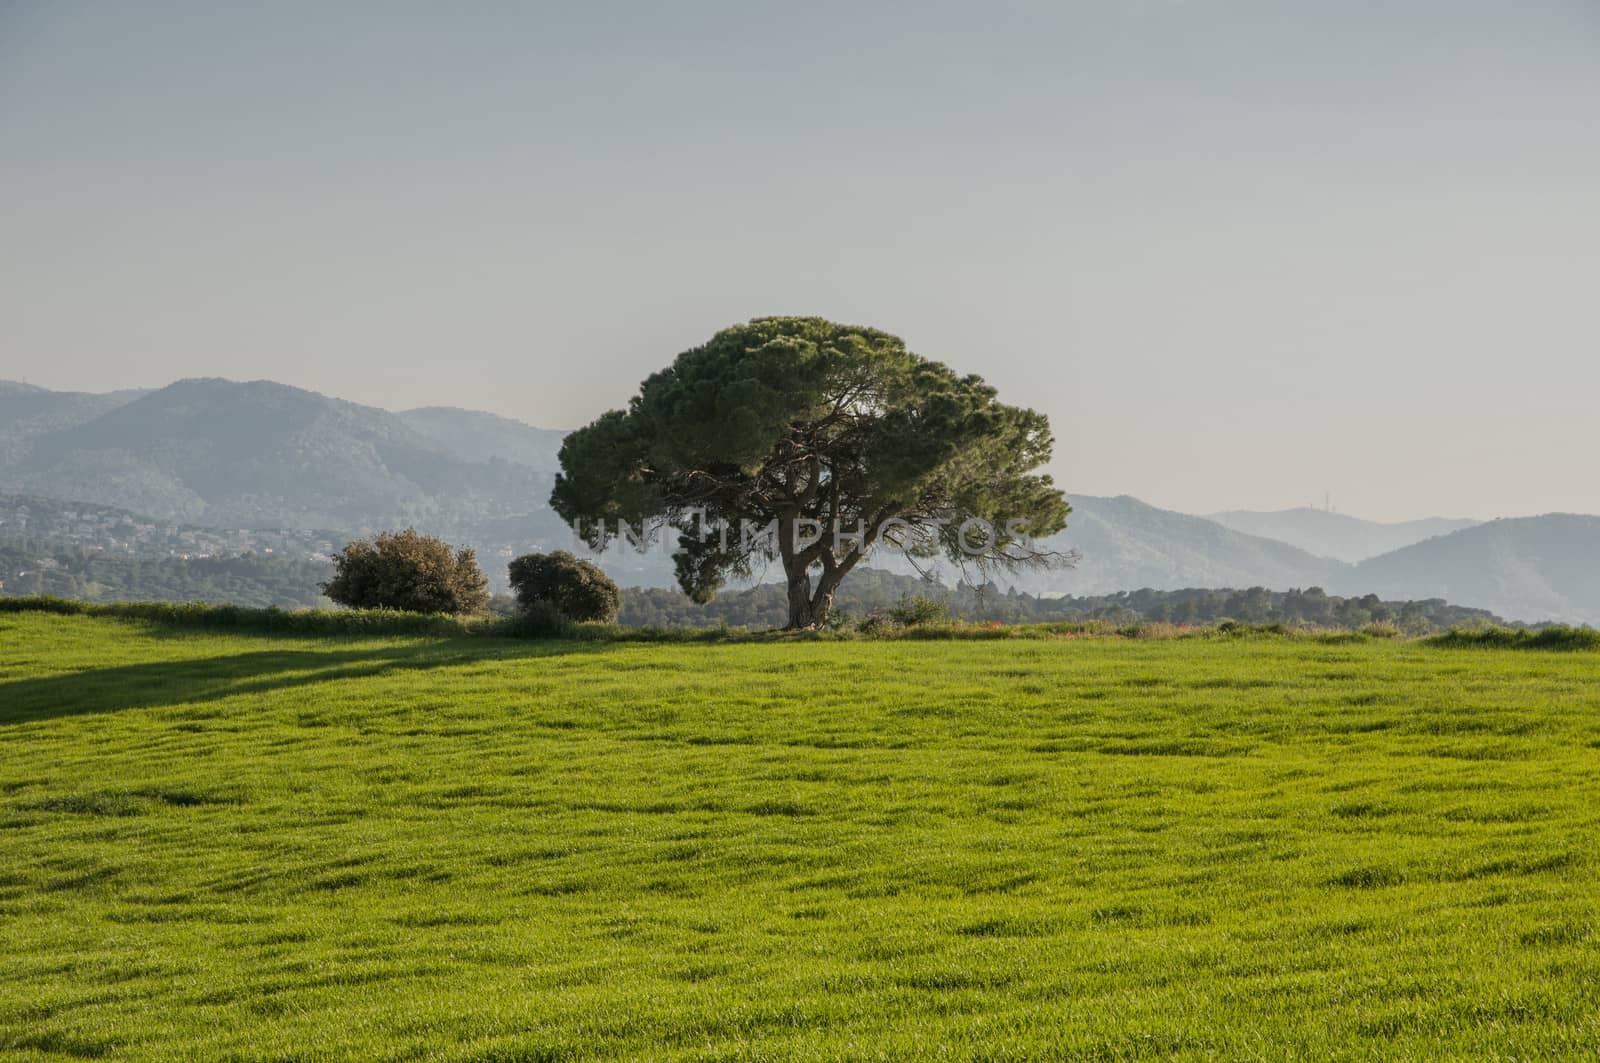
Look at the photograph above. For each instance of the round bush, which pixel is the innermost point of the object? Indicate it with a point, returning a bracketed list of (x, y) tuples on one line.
[(577, 589), (404, 570)]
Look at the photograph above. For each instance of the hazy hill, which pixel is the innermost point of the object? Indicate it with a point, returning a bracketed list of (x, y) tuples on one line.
[(1127, 544), (476, 436), (262, 454), (27, 412), (1335, 534), (1529, 568)]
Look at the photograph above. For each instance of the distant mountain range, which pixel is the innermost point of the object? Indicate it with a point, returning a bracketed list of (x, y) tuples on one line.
[(1127, 544), (1529, 569), (472, 435), (27, 412), (1523, 568), (1336, 535), (263, 455)]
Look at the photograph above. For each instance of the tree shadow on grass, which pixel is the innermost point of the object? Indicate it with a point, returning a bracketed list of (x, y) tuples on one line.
[(182, 682)]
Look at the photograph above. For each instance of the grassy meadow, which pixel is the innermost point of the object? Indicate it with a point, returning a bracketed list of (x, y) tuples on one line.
[(262, 847)]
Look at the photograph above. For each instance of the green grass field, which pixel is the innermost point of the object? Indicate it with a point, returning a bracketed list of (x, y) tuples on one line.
[(252, 847)]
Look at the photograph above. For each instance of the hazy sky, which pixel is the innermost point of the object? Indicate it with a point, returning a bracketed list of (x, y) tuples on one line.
[(1242, 253)]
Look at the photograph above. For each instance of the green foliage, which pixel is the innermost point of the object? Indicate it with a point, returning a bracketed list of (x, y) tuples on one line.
[(568, 585), (234, 846), (1554, 637), (918, 611), (407, 571), (796, 418)]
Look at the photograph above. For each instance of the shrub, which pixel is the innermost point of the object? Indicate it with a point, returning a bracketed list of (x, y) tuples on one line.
[(918, 610), (1553, 637), (875, 624), (575, 588), (404, 570)]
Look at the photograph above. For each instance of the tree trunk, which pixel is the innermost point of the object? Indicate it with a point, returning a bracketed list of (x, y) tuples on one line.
[(809, 608), (821, 606), (822, 600), (801, 613)]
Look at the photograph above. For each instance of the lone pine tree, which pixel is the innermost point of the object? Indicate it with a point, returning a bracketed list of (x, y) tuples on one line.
[(833, 440)]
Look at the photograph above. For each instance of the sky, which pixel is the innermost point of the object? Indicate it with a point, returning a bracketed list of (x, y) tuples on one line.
[(1244, 254)]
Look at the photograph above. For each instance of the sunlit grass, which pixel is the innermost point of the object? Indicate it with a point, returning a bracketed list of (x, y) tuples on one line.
[(251, 847)]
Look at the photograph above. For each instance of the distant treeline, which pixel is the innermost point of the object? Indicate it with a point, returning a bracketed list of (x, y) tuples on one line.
[(97, 576), (260, 580), (870, 590)]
